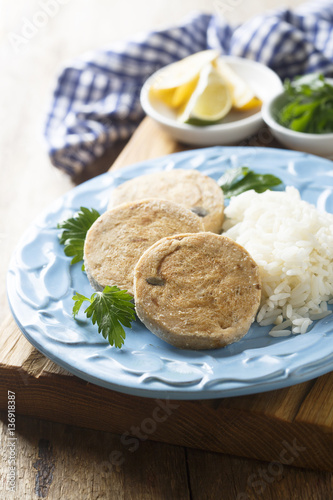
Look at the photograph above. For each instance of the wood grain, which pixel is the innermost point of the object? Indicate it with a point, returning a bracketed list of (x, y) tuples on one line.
[(189, 423), (148, 141), (63, 461), (239, 479), (66, 463), (317, 407)]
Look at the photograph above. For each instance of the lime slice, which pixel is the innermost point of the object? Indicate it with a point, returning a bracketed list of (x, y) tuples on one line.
[(175, 83), (243, 97), (211, 100)]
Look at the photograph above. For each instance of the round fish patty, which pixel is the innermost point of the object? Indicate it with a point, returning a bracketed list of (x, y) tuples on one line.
[(118, 238), (206, 293), (190, 188)]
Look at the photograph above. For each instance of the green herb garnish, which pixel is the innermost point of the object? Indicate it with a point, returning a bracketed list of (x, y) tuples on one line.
[(309, 106), (74, 232), (110, 309), (237, 180)]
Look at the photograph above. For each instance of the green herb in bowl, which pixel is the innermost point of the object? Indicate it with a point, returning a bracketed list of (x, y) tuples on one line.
[(307, 105)]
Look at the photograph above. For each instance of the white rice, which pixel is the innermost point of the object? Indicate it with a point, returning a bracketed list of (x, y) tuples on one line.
[(292, 242)]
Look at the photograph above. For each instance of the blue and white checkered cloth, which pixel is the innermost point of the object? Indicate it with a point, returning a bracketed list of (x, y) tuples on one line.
[(96, 99)]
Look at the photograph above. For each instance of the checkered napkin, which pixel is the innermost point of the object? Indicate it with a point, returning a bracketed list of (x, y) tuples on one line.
[(97, 98)]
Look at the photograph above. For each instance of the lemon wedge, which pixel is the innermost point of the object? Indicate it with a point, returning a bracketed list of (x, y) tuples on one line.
[(243, 97), (211, 100), (175, 83)]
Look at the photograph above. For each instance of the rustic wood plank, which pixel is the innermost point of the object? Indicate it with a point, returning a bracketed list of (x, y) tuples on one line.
[(70, 400), (11, 353), (18, 353), (148, 141), (317, 408), (282, 404), (214, 476), (60, 461)]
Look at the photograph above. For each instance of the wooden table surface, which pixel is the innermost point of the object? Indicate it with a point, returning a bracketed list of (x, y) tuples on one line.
[(60, 461)]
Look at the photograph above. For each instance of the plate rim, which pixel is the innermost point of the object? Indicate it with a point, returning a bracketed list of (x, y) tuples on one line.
[(178, 392)]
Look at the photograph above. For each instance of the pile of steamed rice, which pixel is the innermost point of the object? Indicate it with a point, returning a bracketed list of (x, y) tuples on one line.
[(292, 242)]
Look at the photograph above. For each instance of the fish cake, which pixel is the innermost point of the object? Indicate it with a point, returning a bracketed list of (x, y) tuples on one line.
[(190, 188), (118, 238), (197, 291)]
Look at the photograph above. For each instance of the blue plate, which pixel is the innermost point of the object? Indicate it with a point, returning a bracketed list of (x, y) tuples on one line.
[(41, 284)]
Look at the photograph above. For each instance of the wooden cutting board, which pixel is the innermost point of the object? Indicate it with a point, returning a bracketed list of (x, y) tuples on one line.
[(289, 426)]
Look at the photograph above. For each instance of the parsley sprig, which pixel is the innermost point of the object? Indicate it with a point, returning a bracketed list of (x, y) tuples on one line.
[(74, 232), (309, 105), (237, 180), (110, 309)]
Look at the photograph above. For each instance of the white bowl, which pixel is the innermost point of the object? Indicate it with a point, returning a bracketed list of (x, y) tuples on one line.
[(236, 125), (318, 144)]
